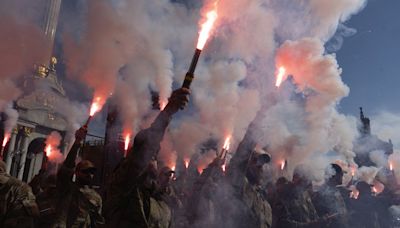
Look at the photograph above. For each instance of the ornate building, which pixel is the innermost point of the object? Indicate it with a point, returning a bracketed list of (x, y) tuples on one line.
[(42, 91), (368, 143)]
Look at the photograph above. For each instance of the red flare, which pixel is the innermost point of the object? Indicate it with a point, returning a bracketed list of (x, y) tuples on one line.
[(163, 104), (48, 150), (186, 161), (206, 27), (127, 141), (283, 164), (173, 168), (223, 167), (227, 143), (96, 106), (5, 139), (391, 166), (280, 76)]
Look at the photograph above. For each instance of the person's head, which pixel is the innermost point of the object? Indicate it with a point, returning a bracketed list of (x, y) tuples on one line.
[(336, 175), (85, 171), (281, 183), (363, 188), (150, 175), (165, 176), (256, 164), (300, 176)]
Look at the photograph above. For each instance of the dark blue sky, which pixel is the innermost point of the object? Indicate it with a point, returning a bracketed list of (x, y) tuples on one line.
[(370, 59)]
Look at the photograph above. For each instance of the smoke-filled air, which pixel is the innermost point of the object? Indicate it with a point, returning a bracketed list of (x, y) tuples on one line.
[(212, 113)]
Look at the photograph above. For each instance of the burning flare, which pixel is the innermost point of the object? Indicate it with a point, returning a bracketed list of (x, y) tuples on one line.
[(5, 140), (223, 167), (283, 164), (186, 161), (48, 150), (163, 104), (391, 166), (204, 34), (127, 141), (227, 143), (96, 106), (280, 76)]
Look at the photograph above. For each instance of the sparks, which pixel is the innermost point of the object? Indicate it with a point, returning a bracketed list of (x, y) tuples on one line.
[(204, 34), (227, 143), (48, 150), (280, 76), (5, 139)]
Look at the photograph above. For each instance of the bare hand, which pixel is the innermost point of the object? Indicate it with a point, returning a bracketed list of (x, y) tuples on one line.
[(178, 100)]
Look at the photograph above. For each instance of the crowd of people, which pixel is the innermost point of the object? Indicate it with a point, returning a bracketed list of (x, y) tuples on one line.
[(142, 194)]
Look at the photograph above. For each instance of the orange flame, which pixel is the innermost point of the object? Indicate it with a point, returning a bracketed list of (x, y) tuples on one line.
[(204, 34), (353, 172), (187, 161), (48, 150), (127, 141), (227, 143), (283, 163), (280, 76), (354, 193), (391, 166), (173, 168), (96, 105), (5, 139)]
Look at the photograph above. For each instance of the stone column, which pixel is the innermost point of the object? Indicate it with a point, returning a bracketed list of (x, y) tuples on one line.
[(24, 150), (11, 148)]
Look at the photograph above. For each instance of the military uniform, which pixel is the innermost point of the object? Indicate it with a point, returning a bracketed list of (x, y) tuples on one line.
[(329, 203), (17, 202), (129, 203), (76, 206), (294, 208), (245, 204)]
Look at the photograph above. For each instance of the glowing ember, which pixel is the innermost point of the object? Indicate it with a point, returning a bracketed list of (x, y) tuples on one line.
[(283, 163), (96, 106), (5, 140), (280, 76), (391, 166), (173, 168), (127, 141), (187, 161), (206, 27), (227, 143), (48, 150)]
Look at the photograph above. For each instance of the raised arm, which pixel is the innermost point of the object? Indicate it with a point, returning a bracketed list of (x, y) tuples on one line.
[(147, 142), (240, 161)]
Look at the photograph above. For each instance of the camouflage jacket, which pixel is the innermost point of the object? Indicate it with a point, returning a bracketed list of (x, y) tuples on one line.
[(76, 206), (251, 208), (17, 203), (328, 202), (128, 203), (294, 208)]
